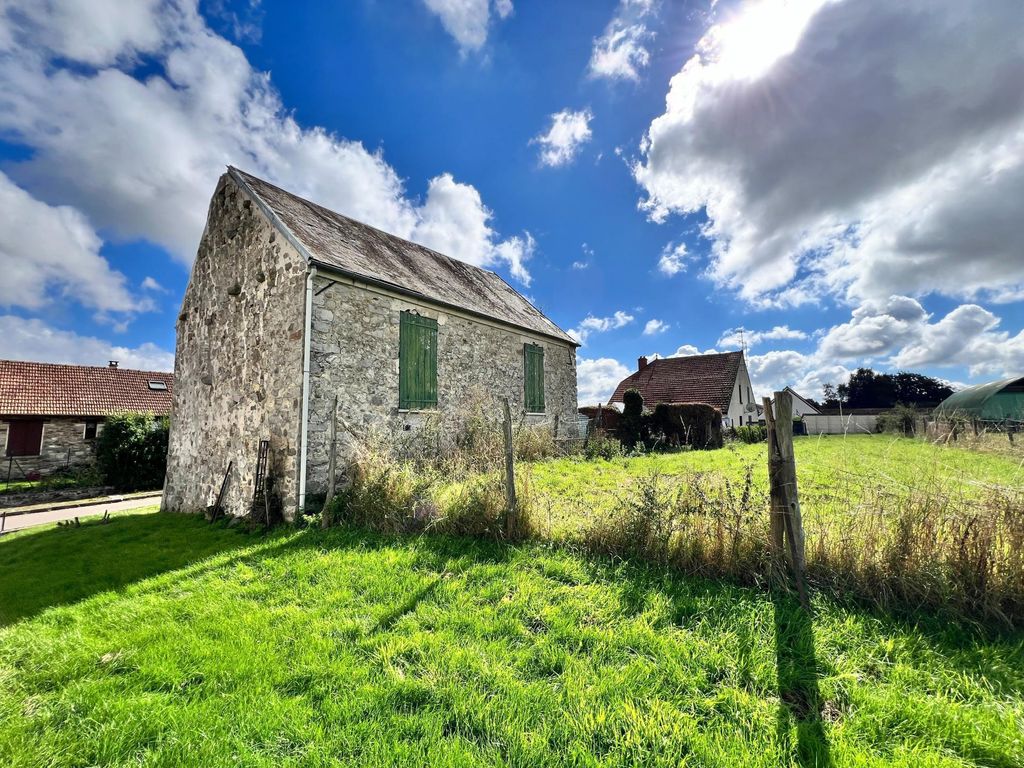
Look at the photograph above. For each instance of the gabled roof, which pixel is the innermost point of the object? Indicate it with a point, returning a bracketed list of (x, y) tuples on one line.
[(797, 396), (696, 379), (358, 250), (49, 389)]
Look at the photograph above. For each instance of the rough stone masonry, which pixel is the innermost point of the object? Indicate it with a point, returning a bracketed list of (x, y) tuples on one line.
[(241, 339)]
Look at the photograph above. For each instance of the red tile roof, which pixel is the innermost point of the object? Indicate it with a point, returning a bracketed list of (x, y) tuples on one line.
[(49, 389), (697, 379)]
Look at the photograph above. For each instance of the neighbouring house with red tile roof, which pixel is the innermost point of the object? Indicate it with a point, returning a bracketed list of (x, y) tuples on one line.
[(719, 380), (50, 414)]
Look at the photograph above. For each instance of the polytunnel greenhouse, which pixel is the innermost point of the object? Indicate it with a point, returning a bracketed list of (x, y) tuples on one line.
[(996, 401)]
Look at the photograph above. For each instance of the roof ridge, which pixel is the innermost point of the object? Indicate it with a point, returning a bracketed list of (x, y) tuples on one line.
[(333, 212), (422, 270), (85, 367)]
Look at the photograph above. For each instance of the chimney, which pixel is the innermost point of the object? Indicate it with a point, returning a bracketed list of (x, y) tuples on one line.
[(641, 363), (113, 363)]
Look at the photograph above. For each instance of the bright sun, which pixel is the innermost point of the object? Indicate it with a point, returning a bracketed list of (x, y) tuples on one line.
[(744, 46)]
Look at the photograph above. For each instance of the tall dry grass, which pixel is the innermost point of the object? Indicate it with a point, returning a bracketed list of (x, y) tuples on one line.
[(445, 476), (897, 549)]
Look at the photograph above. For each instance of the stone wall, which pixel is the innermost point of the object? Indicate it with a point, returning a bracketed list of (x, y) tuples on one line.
[(238, 363), (354, 355), (63, 445)]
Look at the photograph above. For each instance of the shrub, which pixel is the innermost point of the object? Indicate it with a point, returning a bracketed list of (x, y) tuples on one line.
[(131, 451), (601, 446), (900, 420), (631, 425), (752, 433), (694, 424)]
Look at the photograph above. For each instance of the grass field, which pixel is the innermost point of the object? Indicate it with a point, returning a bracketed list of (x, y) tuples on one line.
[(160, 640), (834, 474)]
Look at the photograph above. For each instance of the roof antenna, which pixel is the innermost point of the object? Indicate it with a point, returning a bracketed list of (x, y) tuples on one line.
[(743, 342)]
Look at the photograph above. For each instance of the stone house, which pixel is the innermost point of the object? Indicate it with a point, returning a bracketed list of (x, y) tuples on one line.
[(51, 414), (291, 305), (719, 380)]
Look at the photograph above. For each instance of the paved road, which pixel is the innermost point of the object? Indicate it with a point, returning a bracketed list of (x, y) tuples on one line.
[(16, 522)]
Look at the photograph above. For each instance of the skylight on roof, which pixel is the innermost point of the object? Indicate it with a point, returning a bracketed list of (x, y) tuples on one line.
[(157, 384)]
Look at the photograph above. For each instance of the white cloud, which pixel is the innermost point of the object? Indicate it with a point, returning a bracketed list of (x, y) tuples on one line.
[(140, 157), (454, 221), (50, 253), (688, 350), (596, 379), (620, 53), (95, 33), (151, 284), (807, 374), (591, 324), (895, 334), (735, 338), (34, 339), (852, 149), (673, 259), (468, 21), (568, 132), (588, 252), (655, 327)]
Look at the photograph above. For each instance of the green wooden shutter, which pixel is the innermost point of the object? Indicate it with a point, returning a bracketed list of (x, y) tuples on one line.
[(534, 361), (417, 362)]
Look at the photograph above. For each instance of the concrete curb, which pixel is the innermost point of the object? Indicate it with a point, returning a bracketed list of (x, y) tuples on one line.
[(97, 501)]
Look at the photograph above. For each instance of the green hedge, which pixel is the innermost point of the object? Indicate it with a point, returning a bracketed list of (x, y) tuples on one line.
[(131, 451)]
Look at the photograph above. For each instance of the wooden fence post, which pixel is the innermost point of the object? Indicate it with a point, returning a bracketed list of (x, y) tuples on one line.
[(510, 478), (332, 466), (786, 519)]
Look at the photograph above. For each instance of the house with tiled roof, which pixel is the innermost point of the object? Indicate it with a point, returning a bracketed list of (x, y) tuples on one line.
[(292, 307), (720, 380), (50, 414)]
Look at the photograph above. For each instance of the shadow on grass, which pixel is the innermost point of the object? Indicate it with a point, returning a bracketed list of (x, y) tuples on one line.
[(58, 566), (798, 674)]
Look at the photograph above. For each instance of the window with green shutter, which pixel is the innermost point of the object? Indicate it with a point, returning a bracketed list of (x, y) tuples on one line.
[(534, 357), (417, 362)]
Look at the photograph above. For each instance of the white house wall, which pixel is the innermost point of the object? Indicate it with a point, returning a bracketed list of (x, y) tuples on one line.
[(742, 394)]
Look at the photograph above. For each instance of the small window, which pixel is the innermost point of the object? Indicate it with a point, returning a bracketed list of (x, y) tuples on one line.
[(417, 362), (90, 430), (157, 384), (534, 362), (24, 438)]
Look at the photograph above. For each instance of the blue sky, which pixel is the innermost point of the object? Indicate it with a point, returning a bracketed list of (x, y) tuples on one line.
[(841, 179)]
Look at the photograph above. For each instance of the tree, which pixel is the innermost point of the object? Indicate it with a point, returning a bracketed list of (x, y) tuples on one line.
[(830, 397), (867, 389)]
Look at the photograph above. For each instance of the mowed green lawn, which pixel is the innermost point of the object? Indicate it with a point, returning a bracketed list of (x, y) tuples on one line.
[(160, 640), (834, 474)]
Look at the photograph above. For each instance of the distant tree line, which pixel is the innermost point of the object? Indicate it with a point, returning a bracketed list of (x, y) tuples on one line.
[(867, 389)]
